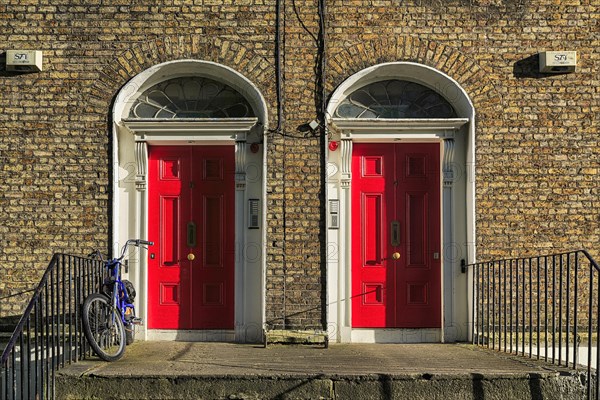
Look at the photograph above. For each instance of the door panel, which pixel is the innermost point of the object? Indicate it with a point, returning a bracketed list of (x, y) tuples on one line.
[(213, 230), (169, 217), (419, 298), (168, 276), (396, 211), (373, 246), (416, 228), (191, 220), (372, 167)]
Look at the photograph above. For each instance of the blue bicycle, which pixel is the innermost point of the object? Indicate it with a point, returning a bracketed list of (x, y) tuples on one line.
[(109, 317)]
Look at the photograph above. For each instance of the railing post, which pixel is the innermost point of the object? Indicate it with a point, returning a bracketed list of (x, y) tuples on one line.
[(487, 304), (508, 297), (560, 309), (568, 309), (40, 345), (575, 313), (493, 306), (517, 306), (597, 337), (538, 306), (524, 308), (504, 299), (553, 309), (476, 303), (546, 309)]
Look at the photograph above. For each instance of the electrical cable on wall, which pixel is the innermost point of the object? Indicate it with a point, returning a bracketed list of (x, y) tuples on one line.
[(279, 131), (320, 105)]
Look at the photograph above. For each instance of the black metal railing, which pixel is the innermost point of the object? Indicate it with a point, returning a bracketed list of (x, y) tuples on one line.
[(49, 335), (543, 307)]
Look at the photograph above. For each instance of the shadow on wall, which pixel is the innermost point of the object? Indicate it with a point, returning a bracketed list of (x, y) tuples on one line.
[(481, 383), (3, 71), (530, 68)]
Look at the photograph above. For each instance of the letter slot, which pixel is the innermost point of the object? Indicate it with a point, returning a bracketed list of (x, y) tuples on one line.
[(191, 234), (395, 233)]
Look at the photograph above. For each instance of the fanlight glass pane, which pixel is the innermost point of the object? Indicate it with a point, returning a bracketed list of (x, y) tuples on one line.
[(395, 99), (191, 97)]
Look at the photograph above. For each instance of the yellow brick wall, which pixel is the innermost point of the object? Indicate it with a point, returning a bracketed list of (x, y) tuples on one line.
[(538, 146)]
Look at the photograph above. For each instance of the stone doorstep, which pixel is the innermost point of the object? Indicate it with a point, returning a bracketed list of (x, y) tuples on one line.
[(550, 386), (295, 337), (179, 370)]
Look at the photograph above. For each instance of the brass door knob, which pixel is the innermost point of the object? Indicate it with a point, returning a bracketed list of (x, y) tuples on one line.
[(191, 257), (396, 256)]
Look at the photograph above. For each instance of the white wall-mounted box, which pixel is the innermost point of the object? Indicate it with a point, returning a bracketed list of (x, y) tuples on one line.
[(24, 60), (558, 62)]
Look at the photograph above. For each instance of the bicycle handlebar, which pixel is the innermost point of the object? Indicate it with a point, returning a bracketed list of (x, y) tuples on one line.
[(135, 242)]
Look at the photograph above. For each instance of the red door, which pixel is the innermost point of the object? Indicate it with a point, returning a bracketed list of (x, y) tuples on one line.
[(191, 221), (396, 254)]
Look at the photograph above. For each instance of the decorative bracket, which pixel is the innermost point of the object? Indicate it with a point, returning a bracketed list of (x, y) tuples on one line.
[(448, 165), (240, 163), (346, 161), (141, 161)]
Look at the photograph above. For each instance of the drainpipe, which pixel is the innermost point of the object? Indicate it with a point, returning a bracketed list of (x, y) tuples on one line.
[(322, 56), (278, 129)]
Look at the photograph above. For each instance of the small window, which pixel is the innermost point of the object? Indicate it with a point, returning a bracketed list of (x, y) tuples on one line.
[(191, 97), (395, 99)]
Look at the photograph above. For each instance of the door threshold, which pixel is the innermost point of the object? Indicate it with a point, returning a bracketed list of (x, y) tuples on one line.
[(399, 335), (212, 335)]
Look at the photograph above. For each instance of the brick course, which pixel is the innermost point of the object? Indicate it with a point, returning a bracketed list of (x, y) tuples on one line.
[(538, 147)]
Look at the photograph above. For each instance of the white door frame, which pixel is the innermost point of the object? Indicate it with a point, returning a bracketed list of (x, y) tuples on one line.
[(131, 138), (456, 292)]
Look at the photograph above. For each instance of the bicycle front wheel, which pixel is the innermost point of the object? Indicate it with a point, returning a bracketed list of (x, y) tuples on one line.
[(103, 327)]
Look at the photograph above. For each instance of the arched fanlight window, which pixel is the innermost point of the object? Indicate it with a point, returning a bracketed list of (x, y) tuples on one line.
[(191, 97), (394, 99)]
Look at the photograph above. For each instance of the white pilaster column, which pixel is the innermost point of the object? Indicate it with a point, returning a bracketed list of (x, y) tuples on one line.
[(449, 251), (240, 237), (345, 242), (139, 277)]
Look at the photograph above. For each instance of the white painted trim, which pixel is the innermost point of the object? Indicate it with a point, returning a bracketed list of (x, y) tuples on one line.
[(200, 127), (191, 336), (379, 130), (178, 132), (232, 131), (264, 235), (426, 335), (380, 125)]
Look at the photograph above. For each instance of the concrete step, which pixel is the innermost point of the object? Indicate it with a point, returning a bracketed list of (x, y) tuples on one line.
[(367, 387), (4, 338), (177, 370), (7, 327), (7, 324), (58, 340)]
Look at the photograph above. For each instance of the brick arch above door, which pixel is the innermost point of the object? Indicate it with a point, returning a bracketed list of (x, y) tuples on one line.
[(478, 82), (116, 72)]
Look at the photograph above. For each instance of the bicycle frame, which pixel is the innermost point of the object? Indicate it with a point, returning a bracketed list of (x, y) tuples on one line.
[(119, 296), (106, 334)]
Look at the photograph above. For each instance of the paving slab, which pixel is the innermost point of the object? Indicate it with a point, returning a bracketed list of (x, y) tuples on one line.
[(228, 359), (357, 371)]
